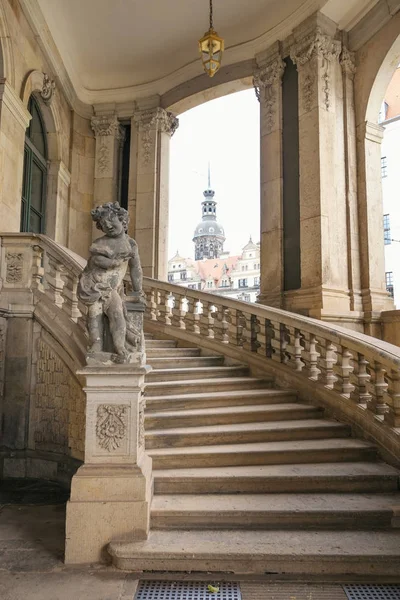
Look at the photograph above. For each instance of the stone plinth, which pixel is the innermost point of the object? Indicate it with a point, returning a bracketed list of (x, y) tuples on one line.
[(111, 493)]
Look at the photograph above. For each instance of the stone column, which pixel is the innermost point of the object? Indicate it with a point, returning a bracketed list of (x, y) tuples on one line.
[(370, 205), (347, 62), (14, 119), (109, 135), (111, 493), (154, 129), (268, 86), (324, 291)]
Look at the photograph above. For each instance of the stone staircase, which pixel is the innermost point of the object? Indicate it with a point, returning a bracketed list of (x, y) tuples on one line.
[(248, 479)]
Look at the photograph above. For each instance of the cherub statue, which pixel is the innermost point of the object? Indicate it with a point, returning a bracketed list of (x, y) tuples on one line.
[(101, 284)]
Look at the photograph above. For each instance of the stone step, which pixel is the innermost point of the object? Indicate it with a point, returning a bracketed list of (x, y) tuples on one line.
[(182, 374), (273, 511), (174, 362), (310, 477), (230, 414), (151, 343), (246, 433), (215, 399), (171, 352), (220, 384), (267, 453), (286, 553)]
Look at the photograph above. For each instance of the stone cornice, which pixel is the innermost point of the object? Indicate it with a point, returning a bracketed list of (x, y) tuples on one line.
[(314, 44), (10, 98)]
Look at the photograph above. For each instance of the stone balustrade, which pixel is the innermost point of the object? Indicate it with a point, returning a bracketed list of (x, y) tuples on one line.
[(356, 376)]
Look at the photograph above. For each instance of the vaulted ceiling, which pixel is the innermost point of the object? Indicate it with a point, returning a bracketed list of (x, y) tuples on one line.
[(151, 45)]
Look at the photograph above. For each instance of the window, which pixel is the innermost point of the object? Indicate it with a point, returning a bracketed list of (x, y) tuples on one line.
[(384, 166), (173, 266), (170, 276), (224, 283), (33, 202), (242, 283), (199, 286), (389, 282), (386, 230), (256, 281), (209, 284), (183, 275), (246, 297), (383, 112)]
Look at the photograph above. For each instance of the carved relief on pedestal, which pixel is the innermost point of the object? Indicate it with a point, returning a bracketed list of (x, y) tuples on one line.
[(323, 47), (141, 428), (265, 79), (157, 119), (111, 425), (14, 261), (47, 91)]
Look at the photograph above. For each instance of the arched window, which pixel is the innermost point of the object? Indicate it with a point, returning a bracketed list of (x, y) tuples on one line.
[(33, 204)]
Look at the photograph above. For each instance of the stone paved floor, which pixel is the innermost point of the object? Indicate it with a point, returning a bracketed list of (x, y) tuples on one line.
[(31, 567)]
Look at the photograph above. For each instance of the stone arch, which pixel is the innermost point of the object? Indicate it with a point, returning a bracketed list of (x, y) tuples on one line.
[(42, 88)]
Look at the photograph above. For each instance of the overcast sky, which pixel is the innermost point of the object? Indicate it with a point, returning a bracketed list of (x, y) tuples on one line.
[(226, 133)]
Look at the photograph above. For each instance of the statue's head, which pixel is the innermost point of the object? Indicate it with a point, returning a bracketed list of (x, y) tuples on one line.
[(111, 218)]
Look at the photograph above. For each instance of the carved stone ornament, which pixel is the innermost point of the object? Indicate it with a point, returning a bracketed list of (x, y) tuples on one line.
[(141, 433), (156, 119), (320, 45), (105, 125), (47, 91), (264, 79), (103, 158), (14, 262), (111, 426), (347, 61)]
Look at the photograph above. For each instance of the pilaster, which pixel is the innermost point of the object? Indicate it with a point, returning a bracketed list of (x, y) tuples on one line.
[(268, 86), (111, 493), (154, 128), (109, 136), (323, 218), (14, 119)]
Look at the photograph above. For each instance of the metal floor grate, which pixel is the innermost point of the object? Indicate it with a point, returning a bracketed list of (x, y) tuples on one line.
[(186, 590), (372, 592)]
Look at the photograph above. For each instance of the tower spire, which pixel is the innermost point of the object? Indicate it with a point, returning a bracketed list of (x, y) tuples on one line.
[(209, 176)]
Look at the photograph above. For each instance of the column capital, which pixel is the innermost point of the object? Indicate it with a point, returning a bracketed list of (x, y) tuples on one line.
[(347, 61), (315, 44), (156, 119), (268, 75), (105, 125)]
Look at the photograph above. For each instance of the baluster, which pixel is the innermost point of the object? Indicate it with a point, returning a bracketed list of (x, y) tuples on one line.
[(178, 313), (361, 378), (70, 305), (310, 355), (235, 327), (295, 348), (377, 403), (37, 268), (165, 310), (250, 332), (275, 340), (327, 361), (285, 344), (261, 337), (343, 370), (151, 304), (192, 316), (269, 336), (54, 280), (207, 321), (392, 416), (221, 325)]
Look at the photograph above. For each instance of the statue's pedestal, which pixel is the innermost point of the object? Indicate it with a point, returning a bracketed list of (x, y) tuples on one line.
[(111, 493)]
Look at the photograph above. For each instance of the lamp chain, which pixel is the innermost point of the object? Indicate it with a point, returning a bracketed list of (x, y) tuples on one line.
[(211, 15)]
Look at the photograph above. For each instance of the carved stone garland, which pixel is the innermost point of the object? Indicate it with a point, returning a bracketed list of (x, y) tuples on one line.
[(111, 426), (104, 126), (321, 45), (265, 79), (159, 119)]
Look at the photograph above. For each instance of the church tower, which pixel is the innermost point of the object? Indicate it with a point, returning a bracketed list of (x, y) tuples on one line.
[(209, 235)]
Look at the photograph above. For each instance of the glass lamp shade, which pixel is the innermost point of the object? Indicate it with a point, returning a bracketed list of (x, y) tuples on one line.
[(211, 47)]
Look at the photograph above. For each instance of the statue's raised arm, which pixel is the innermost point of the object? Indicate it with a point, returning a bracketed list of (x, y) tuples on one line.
[(115, 334)]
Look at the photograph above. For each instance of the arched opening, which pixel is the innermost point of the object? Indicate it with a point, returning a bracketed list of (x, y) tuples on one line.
[(34, 185), (215, 192)]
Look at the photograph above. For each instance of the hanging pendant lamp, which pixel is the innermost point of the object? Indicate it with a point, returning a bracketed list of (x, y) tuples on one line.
[(211, 47)]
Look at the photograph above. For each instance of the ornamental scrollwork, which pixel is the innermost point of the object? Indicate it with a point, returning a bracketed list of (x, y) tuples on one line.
[(264, 79), (156, 119), (14, 262), (347, 61), (48, 88), (111, 426), (105, 125)]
